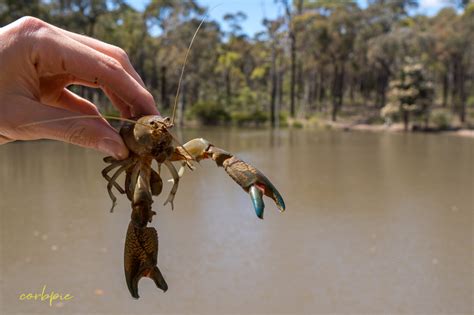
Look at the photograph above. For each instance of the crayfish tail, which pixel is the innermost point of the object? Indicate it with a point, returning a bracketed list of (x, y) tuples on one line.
[(140, 258), (132, 284), (153, 273)]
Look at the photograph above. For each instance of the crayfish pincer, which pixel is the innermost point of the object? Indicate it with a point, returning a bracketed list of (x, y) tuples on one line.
[(148, 139)]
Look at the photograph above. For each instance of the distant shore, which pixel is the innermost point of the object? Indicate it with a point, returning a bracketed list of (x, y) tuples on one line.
[(469, 133), (344, 125)]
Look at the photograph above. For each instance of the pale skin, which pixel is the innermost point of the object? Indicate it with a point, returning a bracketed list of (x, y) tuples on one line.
[(38, 61)]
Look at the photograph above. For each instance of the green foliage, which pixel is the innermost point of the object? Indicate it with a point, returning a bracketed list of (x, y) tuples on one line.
[(375, 120), (246, 100), (470, 102), (258, 73), (391, 110), (283, 118), (297, 124), (441, 118), (210, 113), (412, 92), (242, 118)]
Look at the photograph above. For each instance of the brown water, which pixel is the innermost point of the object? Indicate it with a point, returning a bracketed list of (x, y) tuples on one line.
[(374, 223)]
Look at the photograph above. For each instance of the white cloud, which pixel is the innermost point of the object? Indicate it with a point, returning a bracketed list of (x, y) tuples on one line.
[(432, 4)]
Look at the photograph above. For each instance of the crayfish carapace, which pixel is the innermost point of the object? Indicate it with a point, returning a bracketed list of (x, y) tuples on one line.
[(149, 139)]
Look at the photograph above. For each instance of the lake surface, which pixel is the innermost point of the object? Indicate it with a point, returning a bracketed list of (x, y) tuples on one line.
[(379, 223)]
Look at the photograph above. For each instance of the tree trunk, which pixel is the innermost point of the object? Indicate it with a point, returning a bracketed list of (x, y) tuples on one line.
[(338, 89), (292, 74), (280, 90), (182, 105), (292, 36), (382, 85), (445, 89), (462, 95), (273, 89), (91, 28), (351, 91), (313, 88), (455, 84), (298, 80), (164, 96), (321, 92), (382, 91), (341, 86), (406, 120), (335, 85), (228, 88), (279, 100), (152, 81)]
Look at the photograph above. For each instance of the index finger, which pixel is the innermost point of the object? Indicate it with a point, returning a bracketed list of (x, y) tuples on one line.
[(105, 48), (58, 53)]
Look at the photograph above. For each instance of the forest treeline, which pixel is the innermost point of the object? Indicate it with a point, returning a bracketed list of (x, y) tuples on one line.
[(328, 59)]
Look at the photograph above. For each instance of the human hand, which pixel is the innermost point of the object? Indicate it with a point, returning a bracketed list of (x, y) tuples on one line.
[(38, 61)]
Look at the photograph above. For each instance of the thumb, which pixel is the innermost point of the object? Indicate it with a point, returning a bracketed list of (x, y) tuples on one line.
[(94, 133)]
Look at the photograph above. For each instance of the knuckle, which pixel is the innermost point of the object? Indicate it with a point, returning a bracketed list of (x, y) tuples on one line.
[(29, 24), (76, 133), (120, 54), (140, 99), (149, 97), (144, 99), (112, 64)]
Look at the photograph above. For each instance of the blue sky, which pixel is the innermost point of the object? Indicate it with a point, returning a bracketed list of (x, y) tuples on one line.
[(256, 10)]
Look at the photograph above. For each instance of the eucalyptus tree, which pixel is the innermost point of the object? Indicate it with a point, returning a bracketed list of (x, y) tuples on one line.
[(292, 9), (410, 94), (274, 36)]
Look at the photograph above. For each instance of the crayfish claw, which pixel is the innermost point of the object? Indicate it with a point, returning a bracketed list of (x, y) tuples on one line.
[(181, 170), (270, 191), (257, 200), (253, 182)]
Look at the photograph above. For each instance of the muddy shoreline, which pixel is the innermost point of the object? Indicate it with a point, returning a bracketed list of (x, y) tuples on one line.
[(469, 133)]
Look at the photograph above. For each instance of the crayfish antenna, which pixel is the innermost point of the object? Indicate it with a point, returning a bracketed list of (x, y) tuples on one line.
[(186, 60), (80, 117), (182, 69)]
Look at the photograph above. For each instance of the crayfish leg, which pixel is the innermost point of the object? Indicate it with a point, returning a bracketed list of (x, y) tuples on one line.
[(112, 182), (174, 189), (156, 184)]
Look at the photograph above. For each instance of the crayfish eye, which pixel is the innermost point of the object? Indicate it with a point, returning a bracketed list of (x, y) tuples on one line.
[(167, 122)]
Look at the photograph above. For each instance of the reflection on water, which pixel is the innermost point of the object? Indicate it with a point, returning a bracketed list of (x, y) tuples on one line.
[(374, 223)]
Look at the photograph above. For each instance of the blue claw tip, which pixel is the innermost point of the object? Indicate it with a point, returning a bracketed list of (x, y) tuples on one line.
[(276, 196), (257, 200)]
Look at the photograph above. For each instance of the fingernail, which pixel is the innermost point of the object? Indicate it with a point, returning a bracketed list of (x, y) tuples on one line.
[(109, 146)]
